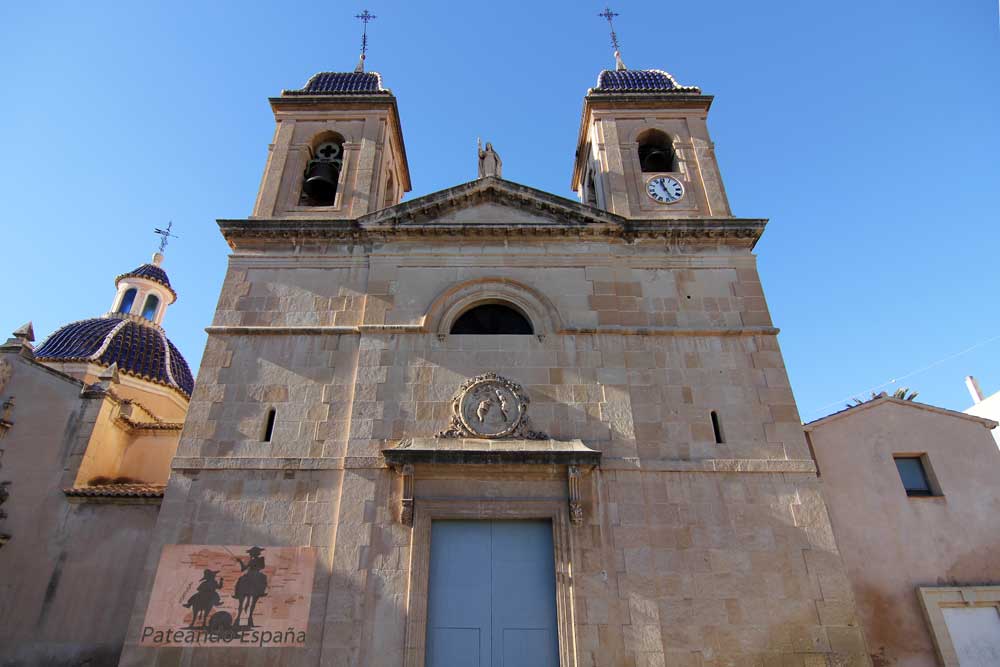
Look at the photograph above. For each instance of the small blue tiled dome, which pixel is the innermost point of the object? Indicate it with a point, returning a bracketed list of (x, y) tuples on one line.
[(149, 272), (640, 81), (339, 83), (139, 347)]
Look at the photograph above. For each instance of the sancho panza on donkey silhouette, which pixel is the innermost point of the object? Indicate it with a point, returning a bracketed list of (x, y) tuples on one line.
[(206, 597)]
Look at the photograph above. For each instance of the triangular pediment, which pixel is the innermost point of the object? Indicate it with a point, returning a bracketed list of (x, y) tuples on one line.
[(492, 207), (491, 202)]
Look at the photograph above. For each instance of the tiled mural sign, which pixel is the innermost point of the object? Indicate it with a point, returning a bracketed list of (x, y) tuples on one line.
[(208, 595)]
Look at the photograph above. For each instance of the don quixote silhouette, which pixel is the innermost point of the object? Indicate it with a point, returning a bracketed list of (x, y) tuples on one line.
[(250, 587)]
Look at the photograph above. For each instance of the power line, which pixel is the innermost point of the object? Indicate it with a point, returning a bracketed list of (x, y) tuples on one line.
[(867, 392)]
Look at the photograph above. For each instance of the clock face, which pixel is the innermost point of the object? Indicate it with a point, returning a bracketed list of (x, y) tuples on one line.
[(665, 189)]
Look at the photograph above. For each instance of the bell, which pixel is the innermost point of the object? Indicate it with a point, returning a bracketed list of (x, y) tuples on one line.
[(321, 181), (657, 159)]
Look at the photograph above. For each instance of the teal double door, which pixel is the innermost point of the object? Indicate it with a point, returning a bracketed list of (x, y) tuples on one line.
[(492, 600)]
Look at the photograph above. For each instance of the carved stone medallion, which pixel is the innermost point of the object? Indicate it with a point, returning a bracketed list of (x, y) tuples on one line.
[(491, 407)]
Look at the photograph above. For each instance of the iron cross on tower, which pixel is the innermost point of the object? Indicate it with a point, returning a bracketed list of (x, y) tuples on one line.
[(365, 17), (610, 17), (165, 235)]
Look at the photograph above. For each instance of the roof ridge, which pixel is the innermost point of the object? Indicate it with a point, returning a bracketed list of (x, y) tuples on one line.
[(885, 398), (107, 341), (139, 347), (166, 358)]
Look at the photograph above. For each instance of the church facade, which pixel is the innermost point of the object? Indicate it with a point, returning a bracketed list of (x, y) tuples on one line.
[(490, 425)]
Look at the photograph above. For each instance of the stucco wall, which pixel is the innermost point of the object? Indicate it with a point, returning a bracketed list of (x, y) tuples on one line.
[(893, 543), (69, 574)]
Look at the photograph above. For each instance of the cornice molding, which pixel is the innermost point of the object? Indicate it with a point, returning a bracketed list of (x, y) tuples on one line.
[(723, 466), (562, 219), (610, 330)]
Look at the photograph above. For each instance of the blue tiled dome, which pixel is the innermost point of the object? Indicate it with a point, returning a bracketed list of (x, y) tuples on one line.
[(640, 81), (339, 83), (149, 272), (140, 348)]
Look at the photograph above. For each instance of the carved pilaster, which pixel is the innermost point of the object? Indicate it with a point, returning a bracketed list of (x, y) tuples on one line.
[(575, 504), (406, 512)]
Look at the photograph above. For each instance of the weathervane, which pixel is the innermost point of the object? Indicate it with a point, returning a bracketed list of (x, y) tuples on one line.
[(365, 17), (165, 235), (610, 17)]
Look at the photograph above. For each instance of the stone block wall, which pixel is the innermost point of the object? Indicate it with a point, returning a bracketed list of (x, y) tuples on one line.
[(692, 552)]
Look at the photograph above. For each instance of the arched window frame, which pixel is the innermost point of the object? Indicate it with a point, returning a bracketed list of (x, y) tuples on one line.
[(590, 195), (389, 197), (127, 296), (454, 301), (327, 136), (146, 304)]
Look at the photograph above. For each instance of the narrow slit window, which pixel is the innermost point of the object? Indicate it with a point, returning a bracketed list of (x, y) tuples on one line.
[(149, 310), (717, 427), (269, 425)]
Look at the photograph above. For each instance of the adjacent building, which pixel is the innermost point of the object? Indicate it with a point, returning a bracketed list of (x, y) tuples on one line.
[(913, 494), (91, 419), (982, 405)]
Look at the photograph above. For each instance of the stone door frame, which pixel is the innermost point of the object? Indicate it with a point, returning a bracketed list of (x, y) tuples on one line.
[(428, 510)]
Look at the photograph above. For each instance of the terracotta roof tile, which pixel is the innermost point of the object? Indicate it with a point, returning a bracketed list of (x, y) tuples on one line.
[(117, 491)]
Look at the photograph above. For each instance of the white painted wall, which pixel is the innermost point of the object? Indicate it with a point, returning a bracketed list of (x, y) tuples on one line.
[(975, 632), (988, 407)]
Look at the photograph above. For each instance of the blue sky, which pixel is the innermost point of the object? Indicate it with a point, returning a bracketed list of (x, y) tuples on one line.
[(866, 131)]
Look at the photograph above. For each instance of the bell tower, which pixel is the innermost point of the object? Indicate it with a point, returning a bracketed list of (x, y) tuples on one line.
[(643, 149), (337, 152)]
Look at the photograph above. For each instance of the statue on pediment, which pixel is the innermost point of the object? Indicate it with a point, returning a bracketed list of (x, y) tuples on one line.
[(489, 161)]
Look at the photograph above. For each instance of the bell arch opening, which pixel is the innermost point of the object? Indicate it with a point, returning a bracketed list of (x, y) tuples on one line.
[(322, 176), (590, 188), (390, 191), (492, 319), (656, 152)]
